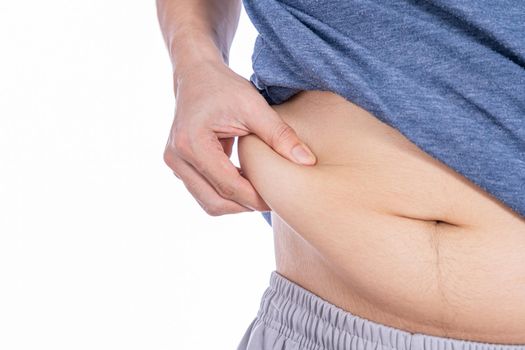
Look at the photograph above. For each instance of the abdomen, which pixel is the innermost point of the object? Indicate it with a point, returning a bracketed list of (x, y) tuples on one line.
[(385, 231)]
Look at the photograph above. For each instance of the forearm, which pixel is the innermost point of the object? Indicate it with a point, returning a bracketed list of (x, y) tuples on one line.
[(200, 30)]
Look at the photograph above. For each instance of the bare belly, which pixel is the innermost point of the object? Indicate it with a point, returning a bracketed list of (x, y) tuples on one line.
[(384, 231)]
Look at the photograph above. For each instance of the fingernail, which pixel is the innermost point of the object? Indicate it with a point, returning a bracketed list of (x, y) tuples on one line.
[(301, 155)]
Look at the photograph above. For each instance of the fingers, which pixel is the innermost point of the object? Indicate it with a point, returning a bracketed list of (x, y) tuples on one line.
[(212, 179), (206, 196), (281, 137), (208, 158)]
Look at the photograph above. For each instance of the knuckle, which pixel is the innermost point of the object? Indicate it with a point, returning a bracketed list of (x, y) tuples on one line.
[(225, 189), (213, 209), (282, 133), (168, 158), (181, 143)]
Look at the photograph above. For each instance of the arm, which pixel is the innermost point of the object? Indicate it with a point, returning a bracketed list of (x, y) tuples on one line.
[(214, 105), (197, 30)]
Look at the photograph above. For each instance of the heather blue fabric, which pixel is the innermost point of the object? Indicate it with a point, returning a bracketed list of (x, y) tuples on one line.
[(267, 216), (448, 74)]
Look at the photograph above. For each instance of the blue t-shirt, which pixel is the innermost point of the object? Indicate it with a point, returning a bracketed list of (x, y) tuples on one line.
[(448, 74)]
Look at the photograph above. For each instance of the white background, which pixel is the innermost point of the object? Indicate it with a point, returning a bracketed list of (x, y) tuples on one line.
[(101, 246)]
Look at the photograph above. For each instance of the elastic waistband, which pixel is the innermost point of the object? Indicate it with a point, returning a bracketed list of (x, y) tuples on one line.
[(315, 323)]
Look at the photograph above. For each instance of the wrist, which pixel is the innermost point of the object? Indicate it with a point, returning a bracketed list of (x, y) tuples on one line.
[(188, 48), (193, 50)]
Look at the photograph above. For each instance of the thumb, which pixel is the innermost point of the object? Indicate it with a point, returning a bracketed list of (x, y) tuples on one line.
[(271, 128)]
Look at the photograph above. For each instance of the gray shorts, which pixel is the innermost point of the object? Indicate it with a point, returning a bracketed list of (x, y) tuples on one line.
[(292, 318)]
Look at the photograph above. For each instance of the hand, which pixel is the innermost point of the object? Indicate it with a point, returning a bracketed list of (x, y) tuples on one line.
[(213, 106)]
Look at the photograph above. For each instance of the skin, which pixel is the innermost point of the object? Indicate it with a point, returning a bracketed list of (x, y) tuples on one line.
[(214, 105), (382, 230)]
